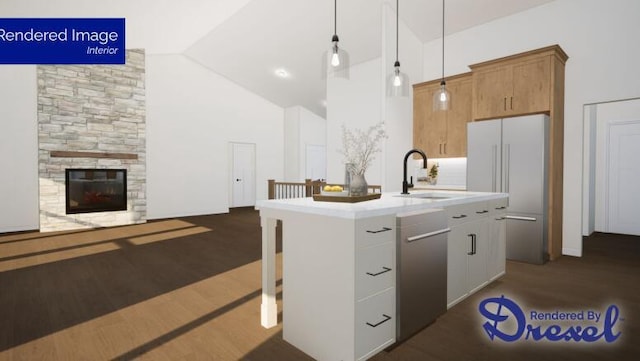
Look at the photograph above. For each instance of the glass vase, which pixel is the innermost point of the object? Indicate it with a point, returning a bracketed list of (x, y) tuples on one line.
[(358, 185)]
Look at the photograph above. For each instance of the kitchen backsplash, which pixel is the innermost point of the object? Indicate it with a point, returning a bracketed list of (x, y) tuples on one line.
[(451, 171)]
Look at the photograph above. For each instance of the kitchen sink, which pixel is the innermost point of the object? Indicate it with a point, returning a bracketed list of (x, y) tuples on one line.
[(435, 196)]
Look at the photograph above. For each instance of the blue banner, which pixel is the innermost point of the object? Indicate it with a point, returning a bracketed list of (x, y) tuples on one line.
[(62, 41)]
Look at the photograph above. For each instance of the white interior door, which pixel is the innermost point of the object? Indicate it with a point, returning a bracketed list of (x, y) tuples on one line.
[(624, 172), (243, 175), (316, 162)]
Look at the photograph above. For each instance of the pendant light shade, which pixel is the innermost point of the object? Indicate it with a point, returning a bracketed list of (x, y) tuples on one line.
[(335, 62), (442, 98), (397, 82)]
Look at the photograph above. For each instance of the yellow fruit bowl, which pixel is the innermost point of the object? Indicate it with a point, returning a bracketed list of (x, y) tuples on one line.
[(335, 194), (329, 190)]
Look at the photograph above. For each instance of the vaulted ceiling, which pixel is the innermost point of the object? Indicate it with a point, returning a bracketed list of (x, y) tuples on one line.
[(247, 40)]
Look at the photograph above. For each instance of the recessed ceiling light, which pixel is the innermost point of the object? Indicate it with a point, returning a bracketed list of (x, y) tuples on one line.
[(281, 73)]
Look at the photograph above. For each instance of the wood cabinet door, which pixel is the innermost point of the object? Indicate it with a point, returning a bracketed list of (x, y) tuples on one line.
[(457, 117), (429, 127), (436, 134), (531, 86), (492, 89), (420, 108)]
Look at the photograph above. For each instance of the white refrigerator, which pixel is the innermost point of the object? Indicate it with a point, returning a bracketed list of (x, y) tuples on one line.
[(510, 155)]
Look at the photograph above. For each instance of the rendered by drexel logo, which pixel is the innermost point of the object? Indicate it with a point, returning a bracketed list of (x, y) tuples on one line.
[(506, 321)]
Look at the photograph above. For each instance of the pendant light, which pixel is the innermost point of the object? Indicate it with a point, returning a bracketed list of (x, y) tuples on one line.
[(442, 98), (336, 60), (398, 82)]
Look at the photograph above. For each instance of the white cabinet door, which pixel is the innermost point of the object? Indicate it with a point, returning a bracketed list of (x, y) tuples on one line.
[(468, 250), (477, 236), (375, 269), (457, 248), (375, 326)]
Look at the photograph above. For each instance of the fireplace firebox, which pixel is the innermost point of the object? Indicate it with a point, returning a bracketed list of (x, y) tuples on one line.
[(95, 190)]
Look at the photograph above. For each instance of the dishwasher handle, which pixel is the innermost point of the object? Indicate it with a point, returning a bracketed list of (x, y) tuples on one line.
[(427, 235), (520, 218)]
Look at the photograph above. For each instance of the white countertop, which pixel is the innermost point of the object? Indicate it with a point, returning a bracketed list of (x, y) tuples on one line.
[(389, 203)]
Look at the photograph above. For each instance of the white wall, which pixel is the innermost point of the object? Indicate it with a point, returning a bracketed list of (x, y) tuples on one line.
[(301, 128), (600, 38), (18, 148), (361, 102), (291, 144), (192, 115), (589, 170), (398, 111), (356, 103)]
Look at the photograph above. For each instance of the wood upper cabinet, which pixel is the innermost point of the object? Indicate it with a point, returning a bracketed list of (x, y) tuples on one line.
[(442, 134), (516, 85)]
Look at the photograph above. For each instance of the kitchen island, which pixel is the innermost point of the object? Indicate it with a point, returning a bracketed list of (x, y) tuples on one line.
[(339, 271)]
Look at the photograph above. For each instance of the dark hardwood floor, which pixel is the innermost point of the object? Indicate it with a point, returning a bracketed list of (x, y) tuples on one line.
[(189, 289)]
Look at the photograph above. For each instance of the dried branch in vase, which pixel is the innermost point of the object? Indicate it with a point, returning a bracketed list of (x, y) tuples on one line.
[(359, 146)]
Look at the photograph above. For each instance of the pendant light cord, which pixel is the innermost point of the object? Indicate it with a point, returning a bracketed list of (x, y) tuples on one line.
[(443, 40), (397, 26), (335, 17)]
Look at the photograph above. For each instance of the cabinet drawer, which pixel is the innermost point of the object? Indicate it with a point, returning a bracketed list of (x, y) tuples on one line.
[(375, 269), (466, 212), (375, 323), (375, 230)]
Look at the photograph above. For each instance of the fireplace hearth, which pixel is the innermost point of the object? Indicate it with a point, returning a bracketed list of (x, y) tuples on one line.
[(95, 190)]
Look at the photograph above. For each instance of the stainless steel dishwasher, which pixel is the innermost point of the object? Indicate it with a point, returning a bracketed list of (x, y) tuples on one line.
[(421, 270)]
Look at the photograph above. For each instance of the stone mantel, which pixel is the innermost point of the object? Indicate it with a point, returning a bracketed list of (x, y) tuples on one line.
[(104, 155)]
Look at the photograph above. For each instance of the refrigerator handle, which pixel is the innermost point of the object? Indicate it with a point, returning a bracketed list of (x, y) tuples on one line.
[(507, 167), (494, 164)]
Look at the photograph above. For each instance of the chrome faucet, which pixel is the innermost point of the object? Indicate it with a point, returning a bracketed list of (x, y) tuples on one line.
[(405, 184)]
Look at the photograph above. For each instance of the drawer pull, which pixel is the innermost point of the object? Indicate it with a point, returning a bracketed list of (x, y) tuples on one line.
[(499, 208), (386, 318), (427, 235), (384, 270), (384, 229), (460, 216), (473, 243), (482, 212)]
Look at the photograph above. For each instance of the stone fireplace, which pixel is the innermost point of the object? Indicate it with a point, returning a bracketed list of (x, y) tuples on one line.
[(91, 119)]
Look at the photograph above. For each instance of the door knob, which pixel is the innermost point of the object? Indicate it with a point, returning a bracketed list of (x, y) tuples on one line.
[(238, 179)]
